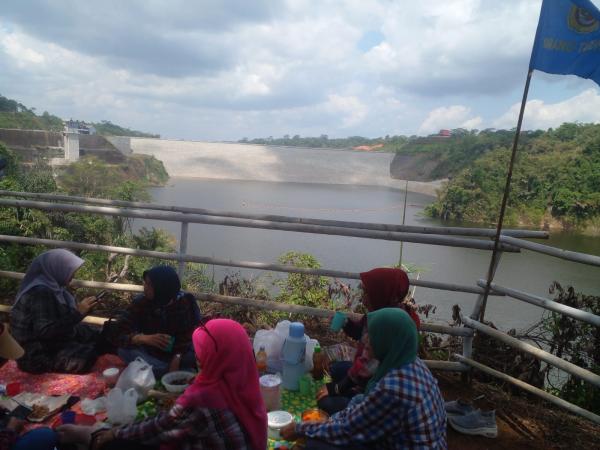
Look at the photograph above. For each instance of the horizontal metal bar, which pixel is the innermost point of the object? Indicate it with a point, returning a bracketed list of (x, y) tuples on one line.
[(431, 239), (453, 231), (226, 262), (87, 319), (450, 366), (551, 359), (545, 303), (531, 389), (583, 258), (83, 283)]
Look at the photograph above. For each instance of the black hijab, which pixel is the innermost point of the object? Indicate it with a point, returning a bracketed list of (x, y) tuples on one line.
[(165, 282)]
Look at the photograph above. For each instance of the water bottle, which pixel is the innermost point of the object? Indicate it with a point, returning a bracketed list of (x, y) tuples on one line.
[(292, 354)]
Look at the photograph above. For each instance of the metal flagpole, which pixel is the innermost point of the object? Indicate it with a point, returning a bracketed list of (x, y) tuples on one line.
[(490, 274)]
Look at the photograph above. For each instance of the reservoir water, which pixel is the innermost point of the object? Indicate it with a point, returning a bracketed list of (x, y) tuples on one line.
[(527, 271)]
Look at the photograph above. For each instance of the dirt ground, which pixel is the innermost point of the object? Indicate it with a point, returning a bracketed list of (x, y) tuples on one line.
[(524, 422)]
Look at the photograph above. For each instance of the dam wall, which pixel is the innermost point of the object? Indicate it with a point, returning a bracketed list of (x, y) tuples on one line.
[(235, 161)]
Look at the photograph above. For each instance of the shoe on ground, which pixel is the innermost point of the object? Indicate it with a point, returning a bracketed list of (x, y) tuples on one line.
[(476, 423), (458, 408)]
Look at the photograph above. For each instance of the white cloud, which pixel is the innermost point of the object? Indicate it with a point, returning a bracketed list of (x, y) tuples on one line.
[(351, 108), (584, 107), (447, 117)]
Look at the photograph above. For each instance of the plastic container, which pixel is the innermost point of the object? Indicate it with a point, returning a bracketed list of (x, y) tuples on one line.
[(338, 321), (111, 375), (293, 354), (276, 420), (182, 376), (13, 389), (270, 389)]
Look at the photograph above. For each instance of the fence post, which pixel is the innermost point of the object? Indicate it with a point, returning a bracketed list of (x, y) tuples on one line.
[(183, 239)]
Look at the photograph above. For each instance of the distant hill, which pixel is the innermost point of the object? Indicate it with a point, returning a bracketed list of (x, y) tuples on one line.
[(14, 114)]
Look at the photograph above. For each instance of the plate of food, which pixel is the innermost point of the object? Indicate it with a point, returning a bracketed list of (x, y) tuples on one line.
[(42, 406)]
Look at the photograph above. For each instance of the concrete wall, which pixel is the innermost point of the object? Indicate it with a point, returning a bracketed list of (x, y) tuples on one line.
[(14, 138), (269, 163)]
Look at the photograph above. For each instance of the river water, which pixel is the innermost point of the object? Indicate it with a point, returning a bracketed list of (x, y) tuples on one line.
[(527, 271)]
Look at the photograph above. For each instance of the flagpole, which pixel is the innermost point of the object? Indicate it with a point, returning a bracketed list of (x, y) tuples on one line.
[(490, 274)]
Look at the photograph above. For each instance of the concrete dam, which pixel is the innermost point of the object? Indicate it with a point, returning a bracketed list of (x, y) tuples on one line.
[(249, 162)]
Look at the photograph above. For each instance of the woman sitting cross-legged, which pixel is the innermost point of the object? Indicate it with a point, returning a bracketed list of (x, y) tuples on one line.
[(222, 409), (46, 319), (402, 407), (158, 325)]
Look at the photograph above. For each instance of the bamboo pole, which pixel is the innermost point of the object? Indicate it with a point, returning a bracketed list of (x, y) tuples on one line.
[(453, 231), (545, 303), (568, 255), (531, 389), (225, 262), (551, 359), (431, 239)]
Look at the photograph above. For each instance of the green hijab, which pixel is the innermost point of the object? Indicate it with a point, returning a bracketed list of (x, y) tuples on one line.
[(394, 339)]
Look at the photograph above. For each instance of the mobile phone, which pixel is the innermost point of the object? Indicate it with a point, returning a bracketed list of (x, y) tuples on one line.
[(101, 294)]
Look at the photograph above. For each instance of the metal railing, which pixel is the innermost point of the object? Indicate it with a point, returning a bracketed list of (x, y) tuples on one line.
[(472, 238)]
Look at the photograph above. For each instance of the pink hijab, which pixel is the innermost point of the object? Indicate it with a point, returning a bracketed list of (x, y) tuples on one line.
[(228, 378)]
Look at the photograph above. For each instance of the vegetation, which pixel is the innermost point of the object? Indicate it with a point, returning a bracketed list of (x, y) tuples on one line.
[(556, 180), (16, 115), (389, 143)]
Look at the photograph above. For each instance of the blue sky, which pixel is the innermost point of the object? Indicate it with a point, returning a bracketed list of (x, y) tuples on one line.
[(227, 69)]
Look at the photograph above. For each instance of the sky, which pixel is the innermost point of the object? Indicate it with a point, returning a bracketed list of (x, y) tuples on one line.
[(229, 69)]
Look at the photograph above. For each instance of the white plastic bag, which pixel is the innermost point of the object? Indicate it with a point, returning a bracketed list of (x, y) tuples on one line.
[(93, 407), (121, 407), (139, 376)]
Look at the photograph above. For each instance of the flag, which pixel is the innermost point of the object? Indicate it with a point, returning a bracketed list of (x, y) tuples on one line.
[(567, 40)]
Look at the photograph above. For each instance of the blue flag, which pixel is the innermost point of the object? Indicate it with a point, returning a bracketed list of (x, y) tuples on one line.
[(567, 40)]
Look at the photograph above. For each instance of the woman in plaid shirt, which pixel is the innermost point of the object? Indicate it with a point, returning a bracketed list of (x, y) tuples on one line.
[(222, 409), (402, 408)]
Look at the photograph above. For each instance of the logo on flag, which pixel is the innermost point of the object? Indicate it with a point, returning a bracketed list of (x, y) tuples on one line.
[(582, 21)]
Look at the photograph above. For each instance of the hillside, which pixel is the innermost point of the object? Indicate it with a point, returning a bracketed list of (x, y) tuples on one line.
[(556, 181), (16, 115)]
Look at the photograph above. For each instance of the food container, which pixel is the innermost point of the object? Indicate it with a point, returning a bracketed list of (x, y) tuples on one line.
[(111, 375), (276, 421), (314, 415), (270, 389), (177, 381)]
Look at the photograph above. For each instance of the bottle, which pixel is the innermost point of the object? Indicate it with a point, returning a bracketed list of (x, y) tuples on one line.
[(318, 371), (175, 363), (261, 360), (293, 353)]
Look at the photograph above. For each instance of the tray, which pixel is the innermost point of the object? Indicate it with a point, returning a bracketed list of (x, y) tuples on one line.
[(53, 403)]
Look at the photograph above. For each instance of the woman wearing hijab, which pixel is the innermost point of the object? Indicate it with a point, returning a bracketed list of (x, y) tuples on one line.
[(46, 319), (222, 409), (382, 288), (402, 408), (158, 325)]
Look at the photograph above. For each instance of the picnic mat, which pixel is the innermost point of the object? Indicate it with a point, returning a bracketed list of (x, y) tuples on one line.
[(295, 403), (90, 385)]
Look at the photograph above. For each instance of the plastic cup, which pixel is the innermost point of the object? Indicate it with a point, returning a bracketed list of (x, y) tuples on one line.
[(338, 321), (13, 389), (169, 348), (67, 417)]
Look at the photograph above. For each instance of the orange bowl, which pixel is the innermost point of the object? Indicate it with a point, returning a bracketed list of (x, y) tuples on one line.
[(314, 415)]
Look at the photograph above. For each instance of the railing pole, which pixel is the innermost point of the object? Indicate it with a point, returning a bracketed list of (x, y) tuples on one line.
[(183, 241), (479, 308)]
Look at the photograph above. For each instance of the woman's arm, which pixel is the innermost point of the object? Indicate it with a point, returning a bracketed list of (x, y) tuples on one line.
[(354, 329)]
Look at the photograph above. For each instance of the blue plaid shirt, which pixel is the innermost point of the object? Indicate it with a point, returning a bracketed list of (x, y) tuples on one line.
[(405, 410)]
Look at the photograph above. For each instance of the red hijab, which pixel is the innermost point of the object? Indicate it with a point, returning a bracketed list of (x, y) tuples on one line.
[(228, 378), (386, 288)]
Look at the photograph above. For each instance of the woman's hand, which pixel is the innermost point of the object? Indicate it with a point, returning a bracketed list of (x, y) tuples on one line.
[(159, 341), (86, 305), (322, 393), (101, 438), (289, 433)]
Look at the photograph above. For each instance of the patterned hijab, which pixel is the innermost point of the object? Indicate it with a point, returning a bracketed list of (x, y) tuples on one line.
[(394, 340), (52, 269)]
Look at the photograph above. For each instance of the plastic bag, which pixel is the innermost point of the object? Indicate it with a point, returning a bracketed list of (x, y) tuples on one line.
[(121, 407), (139, 376), (93, 407)]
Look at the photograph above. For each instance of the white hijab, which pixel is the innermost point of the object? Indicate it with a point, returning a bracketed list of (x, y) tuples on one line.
[(52, 269)]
